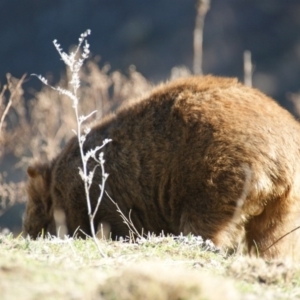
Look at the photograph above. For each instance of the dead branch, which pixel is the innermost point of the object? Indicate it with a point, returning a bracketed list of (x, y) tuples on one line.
[(202, 9)]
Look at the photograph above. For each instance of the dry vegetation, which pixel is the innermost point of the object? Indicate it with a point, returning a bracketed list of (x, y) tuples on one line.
[(155, 268)]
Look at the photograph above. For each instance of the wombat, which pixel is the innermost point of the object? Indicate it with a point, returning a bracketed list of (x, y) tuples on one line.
[(201, 155)]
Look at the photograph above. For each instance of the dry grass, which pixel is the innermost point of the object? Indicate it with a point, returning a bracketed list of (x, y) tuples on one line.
[(157, 268)]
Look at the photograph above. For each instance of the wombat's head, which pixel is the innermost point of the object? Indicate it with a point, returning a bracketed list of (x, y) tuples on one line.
[(38, 219)]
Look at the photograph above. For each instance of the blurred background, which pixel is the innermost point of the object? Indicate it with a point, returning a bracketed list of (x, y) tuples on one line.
[(155, 36)]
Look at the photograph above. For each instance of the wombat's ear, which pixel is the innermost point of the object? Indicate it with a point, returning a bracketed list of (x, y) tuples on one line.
[(39, 170), (32, 171)]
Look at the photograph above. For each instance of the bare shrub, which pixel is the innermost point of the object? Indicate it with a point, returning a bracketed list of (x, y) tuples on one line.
[(13, 127), (13, 122), (10, 193)]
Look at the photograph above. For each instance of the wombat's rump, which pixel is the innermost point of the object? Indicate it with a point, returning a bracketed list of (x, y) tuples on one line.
[(201, 155)]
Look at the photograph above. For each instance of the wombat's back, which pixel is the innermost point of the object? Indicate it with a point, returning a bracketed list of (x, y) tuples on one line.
[(179, 159)]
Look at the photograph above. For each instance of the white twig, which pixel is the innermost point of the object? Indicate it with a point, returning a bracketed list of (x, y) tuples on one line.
[(75, 63), (202, 9), (132, 230), (248, 69)]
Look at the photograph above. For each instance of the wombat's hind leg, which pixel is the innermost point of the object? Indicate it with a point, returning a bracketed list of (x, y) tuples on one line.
[(270, 234)]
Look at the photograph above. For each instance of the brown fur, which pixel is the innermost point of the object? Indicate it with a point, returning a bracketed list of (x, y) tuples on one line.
[(178, 160)]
